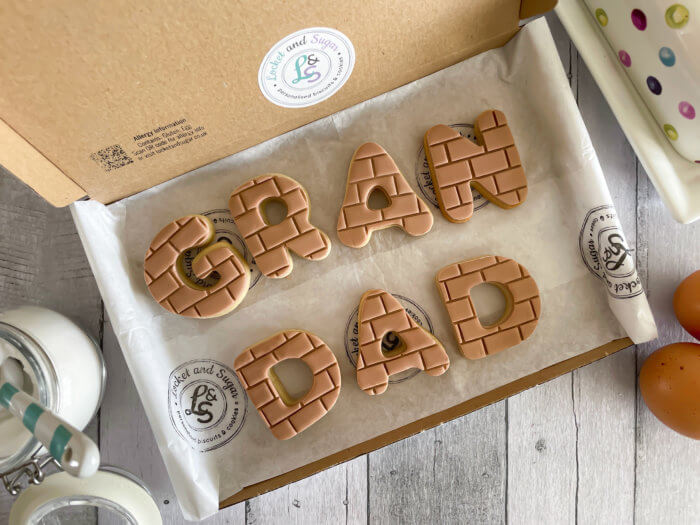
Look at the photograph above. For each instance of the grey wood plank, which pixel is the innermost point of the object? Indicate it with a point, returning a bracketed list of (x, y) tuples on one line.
[(542, 473), (604, 399), (42, 262), (454, 473), (668, 464), (128, 442), (336, 495), (357, 491)]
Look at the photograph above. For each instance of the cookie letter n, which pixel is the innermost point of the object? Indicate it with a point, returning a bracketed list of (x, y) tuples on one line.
[(492, 166)]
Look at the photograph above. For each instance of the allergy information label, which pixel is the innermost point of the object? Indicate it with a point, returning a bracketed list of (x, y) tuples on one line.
[(149, 143), (165, 138), (306, 67)]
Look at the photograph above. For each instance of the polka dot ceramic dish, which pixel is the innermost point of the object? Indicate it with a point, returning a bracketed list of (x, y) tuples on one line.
[(658, 44), (645, 57)]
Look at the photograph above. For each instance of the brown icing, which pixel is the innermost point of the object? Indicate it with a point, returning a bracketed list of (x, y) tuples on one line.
[(380, 313), (168, 283), (269, 244), (492, 166), (522, 309), (285, 416), (372, 167)]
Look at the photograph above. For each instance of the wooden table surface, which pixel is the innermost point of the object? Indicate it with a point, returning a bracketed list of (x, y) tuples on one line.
[(582, 448)]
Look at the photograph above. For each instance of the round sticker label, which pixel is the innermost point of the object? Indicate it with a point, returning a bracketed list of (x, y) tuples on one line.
[(306, 67), (207, 403)]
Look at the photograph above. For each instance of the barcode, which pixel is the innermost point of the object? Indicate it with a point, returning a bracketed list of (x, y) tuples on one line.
[(112, 158)]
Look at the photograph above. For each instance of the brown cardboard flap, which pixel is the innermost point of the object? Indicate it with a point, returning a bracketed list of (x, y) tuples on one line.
[(22, 159), (83, 81), (530, 8), (431, 421)]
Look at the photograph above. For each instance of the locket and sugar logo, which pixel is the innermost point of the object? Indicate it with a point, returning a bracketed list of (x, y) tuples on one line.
[(606, 253), (390, 341), (207, 403), (306, 67), (425, 182), (225, 230)]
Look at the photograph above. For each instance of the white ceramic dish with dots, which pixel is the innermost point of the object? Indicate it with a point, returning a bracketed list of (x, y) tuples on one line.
[(645, 56)]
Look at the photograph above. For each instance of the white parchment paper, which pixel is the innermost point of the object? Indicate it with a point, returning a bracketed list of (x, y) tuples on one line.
[(567, 219)]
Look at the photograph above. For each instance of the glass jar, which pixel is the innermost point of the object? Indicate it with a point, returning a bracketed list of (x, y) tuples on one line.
[(63, 368), (119, 497)]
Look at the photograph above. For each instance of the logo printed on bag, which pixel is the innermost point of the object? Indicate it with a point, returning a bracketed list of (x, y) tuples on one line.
[(606, 253), (205, 399), (306, 67), (207, 403), (390, 342), (225, 231), (425, 182)]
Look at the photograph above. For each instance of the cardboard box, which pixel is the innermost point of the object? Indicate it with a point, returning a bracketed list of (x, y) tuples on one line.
[(78, 81)]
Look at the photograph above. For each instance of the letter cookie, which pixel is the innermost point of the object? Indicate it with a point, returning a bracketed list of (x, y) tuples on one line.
[(269, 244), (522, 304), (285, 416), (372, 167), (166, 279), (493, 166), (380, 313)]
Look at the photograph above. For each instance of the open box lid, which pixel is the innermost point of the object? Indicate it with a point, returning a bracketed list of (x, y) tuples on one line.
[(108, 99)]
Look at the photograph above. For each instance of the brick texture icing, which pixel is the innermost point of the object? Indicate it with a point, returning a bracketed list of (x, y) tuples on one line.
[(492, 166), (286, 417), (380, 313), (371, 168), (168, 283), (270, 244), (522, 304)]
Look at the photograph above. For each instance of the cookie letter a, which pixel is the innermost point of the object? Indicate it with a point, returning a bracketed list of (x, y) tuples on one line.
[(492, 166), (381, 314), (522, 304), (371, 168), (170, 286), (284, 415), (270, 244)]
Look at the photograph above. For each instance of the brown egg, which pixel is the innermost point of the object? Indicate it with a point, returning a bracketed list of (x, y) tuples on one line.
[(670, 385), (686, 304)]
